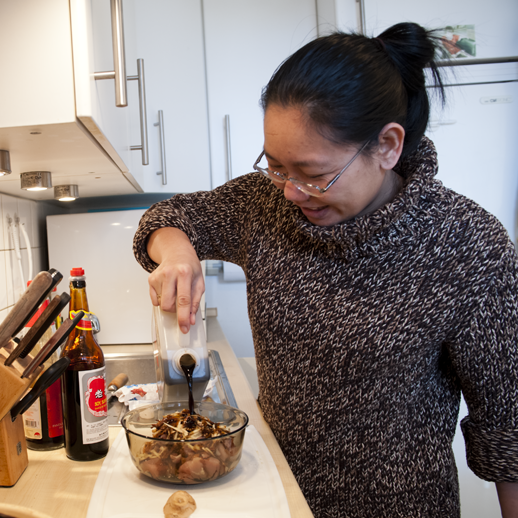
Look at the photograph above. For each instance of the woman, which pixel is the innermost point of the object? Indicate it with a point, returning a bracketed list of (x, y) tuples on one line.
[(375, 294)]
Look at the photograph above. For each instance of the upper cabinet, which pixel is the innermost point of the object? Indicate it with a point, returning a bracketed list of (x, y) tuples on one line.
[(195, 70), (206, 64), (55, 116), (169, 38), (245, 41)]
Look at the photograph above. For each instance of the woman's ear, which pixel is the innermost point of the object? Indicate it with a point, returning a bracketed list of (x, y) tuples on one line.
[(390, 141)]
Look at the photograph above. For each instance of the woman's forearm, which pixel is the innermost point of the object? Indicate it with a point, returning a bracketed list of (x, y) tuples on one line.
[(508, 498)]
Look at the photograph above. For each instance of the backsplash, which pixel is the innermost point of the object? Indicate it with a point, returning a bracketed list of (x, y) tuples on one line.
[(18, 214)]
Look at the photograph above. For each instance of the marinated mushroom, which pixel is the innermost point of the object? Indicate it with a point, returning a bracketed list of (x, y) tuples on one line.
[(179, 505)]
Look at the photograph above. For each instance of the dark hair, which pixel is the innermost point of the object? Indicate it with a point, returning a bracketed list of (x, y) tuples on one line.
[(350, 85)]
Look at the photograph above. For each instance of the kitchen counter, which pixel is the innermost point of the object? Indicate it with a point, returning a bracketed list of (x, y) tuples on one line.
[(59, 487)]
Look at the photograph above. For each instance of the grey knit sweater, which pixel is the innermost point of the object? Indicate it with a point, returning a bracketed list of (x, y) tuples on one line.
[(366, 332)]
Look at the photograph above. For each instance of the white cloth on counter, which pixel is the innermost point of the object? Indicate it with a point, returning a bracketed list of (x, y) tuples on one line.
[(137, 395), (253, 490), (134, 396)]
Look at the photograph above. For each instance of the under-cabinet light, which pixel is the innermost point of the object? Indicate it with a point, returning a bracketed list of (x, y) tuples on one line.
[(5, 162), (36, 180), (66, 192)]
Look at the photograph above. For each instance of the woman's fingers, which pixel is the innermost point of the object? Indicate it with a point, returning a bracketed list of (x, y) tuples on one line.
[(155, 299), (177, 283), (198, 288), (184, 299), (162, 287)]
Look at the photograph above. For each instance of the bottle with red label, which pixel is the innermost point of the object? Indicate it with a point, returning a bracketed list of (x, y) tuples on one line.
[(43, 421), (85, 408)]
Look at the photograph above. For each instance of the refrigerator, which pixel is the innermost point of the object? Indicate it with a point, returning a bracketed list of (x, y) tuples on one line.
[(476, 134), (116, 285)]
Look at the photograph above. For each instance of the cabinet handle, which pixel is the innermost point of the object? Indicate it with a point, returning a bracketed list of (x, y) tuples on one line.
[(160, 125), (229, 151), (119, 57), (362, 16), (140, 77)]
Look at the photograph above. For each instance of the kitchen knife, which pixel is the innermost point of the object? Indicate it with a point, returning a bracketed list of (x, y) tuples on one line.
[(43, 383), (29, 302), (54, 342), (116, 383), (45, 320)]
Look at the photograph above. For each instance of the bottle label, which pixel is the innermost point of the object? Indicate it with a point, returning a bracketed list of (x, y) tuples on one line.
[(85, 323), (32, 421), (54, 409), (94, 405)]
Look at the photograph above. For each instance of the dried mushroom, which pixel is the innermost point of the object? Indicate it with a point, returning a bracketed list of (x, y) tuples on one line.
[(179, 505)]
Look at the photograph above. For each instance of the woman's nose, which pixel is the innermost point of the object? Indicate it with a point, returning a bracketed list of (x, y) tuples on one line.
[(291, 193)]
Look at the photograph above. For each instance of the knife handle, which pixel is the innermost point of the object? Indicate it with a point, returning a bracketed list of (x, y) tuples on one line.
[(48, 316), (29, 302), (25, 307), (119, 381), (38, 329)]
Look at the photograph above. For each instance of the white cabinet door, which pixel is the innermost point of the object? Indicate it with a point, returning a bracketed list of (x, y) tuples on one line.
[(245, 41), (46, 70), (169, 37), (95, 99)]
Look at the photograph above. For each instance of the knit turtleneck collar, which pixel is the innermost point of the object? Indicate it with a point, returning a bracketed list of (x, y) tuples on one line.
[(418, 169)]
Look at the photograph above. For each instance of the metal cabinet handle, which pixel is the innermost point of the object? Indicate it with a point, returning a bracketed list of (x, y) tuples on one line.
[(160, 125), (143, 112), (119, 57), (229, 151), (363, 29)]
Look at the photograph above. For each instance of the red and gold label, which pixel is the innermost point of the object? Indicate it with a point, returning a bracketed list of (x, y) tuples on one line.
[(95, 397), (85, 323), (94, 405)]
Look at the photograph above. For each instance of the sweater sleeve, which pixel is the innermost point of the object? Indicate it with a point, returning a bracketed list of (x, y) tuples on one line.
[(215, 221), (488, 369)]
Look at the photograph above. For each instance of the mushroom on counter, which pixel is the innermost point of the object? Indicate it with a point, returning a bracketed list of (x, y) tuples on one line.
[(179, 505)]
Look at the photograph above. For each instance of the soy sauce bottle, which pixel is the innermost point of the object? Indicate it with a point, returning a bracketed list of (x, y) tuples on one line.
[(85, 409)]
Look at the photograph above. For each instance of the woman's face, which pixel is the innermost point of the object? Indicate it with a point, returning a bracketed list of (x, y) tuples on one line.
[(294, 147)]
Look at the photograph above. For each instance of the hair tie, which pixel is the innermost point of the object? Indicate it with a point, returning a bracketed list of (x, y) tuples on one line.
[(382, 43)]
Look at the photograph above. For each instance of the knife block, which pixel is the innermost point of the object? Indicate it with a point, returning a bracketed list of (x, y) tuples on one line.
[(12, 385), (13, 450)]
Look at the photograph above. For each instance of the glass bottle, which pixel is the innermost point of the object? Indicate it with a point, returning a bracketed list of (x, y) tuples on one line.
[(85, 409), (43, 421)]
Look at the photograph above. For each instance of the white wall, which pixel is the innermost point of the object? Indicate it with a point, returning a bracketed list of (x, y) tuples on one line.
[(32, 215)]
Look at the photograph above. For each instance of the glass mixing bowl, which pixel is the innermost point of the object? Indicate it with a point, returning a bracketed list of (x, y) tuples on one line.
[(185, 461)]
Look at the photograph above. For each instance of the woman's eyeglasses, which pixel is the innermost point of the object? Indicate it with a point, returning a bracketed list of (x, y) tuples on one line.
[(307, 188)]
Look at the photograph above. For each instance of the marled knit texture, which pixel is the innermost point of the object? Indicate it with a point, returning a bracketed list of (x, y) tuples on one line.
[(365, 332)]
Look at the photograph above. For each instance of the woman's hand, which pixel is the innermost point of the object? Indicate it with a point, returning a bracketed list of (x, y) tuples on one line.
[(177, 284)]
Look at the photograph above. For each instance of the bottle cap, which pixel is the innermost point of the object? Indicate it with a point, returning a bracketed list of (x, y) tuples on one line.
[(77, 272)]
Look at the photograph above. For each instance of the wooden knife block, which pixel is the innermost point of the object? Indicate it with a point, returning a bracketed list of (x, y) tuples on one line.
[(13, 450), (12, 385), (13, 447)]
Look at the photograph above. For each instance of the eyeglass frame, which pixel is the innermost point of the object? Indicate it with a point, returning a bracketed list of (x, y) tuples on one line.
[(298, 183)]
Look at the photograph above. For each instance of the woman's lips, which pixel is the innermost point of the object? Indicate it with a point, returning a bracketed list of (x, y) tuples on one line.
[(313, 212)]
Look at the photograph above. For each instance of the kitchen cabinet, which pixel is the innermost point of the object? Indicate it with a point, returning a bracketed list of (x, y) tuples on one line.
[(245, 42), (169, 37), (206, 64), (54, 115)]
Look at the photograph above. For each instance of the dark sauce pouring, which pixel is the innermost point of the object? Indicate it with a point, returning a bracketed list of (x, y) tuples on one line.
[(188, 363)]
